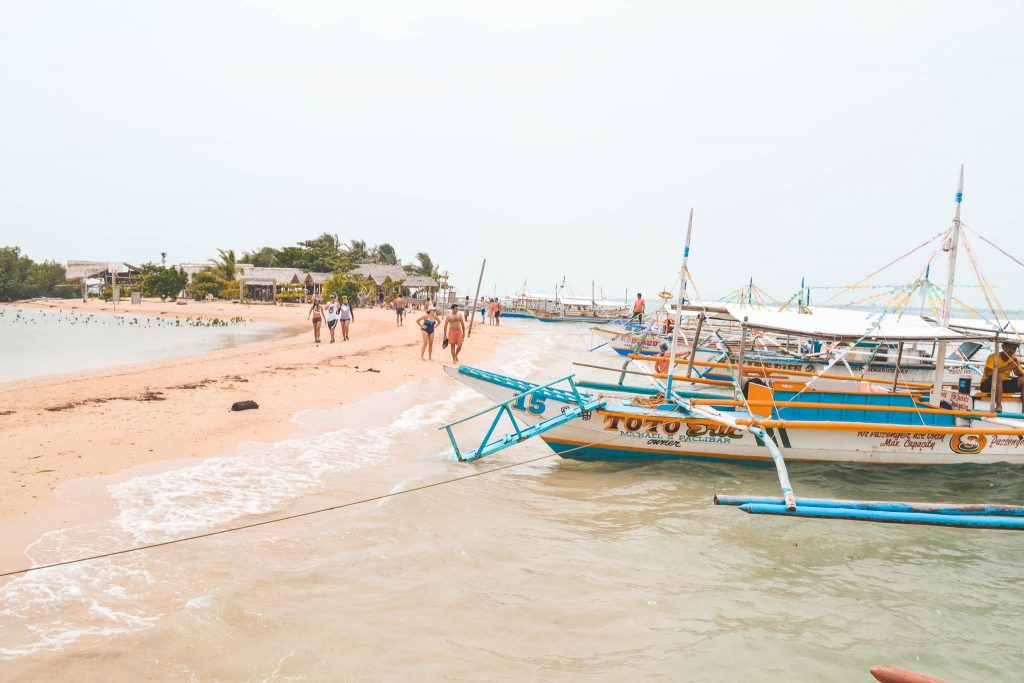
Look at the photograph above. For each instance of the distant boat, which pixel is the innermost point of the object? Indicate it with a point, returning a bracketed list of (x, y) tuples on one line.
[(587, 314)]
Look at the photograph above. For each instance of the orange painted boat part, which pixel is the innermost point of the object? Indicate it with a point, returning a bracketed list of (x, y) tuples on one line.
[(839, 406), (894, 674), (814, 425), (753, 368)]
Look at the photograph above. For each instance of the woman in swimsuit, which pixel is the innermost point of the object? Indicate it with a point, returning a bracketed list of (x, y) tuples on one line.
[(314, 312), (427, 322)]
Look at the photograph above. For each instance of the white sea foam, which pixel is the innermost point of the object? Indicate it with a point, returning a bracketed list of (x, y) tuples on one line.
[(52, 608)]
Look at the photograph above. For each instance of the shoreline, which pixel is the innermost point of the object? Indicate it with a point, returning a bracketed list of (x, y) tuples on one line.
[(66, 433)]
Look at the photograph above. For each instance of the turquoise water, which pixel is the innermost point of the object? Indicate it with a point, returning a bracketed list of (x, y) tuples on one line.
[(556, 570), (44, 342)]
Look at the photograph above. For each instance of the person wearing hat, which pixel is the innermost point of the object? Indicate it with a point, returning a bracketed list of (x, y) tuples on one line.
[(1011, 374), (333, 312), (427, 322)]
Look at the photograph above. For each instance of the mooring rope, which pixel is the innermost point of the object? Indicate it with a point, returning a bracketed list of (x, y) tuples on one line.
[(308, 513), (240, 527)]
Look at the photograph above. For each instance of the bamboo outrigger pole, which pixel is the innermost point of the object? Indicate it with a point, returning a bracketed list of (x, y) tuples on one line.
[(476, 297), (679, 309), (947, 301)]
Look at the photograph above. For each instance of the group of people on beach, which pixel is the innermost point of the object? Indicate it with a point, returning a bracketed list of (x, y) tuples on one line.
[(337, 313), (491, 312), (453, 331), (340, 313)]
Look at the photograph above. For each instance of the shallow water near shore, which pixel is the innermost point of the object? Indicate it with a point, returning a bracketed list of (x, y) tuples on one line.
[(37, 343), (555, 570)]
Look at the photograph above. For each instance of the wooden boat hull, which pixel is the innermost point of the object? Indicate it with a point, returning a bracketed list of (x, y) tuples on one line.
[(624, 432)]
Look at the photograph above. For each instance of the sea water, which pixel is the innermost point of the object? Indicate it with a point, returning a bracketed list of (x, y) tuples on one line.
[(48, 342), (554, 570)]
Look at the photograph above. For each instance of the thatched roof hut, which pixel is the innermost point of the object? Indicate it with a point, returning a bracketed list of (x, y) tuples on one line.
[(76, 271)]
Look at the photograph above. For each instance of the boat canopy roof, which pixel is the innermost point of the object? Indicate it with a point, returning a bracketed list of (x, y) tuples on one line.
[(841, 324), (1010, 330)]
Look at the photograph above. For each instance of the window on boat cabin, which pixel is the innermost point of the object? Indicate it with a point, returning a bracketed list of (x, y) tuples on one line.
[(965, 351)]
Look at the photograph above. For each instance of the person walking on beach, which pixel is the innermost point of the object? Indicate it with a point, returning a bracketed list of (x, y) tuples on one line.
[(315, 314), (427, 322), (399, 310), (454, 331), (345, 316), (332, 315), (497, 312), (638, 309)]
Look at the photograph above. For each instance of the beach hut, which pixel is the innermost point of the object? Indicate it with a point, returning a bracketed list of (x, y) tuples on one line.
[(100, 273), (315, 283), (378, 273), (263, 284)]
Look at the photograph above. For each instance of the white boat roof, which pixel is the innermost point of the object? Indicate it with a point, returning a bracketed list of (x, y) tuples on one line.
[(1010, 328), (834, 323)]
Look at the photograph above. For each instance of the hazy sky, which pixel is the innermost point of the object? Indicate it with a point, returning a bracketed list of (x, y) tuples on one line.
[(555, 139)]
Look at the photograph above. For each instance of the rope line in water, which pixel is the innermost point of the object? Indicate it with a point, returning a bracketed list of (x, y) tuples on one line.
[(183, 539)]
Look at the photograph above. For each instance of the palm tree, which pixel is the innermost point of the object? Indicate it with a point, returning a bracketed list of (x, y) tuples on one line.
[(425, 266), (225, 265), (385, 253), (264, 257), (358, 252)]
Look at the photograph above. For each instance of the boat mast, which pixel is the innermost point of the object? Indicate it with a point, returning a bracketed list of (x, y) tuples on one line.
[(947, 300), (679, 310)]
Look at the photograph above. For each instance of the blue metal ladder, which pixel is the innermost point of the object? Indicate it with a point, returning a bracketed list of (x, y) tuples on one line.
[(577, 406)]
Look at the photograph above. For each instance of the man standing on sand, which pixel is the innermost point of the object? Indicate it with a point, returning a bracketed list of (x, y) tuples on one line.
[(399, 310), (638, 309), (454, 331)]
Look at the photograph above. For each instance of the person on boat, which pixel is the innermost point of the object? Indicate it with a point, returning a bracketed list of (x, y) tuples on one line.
[(454, 331), (427, 322), (1011, 374), (346, 316), (638, 309), (315, 312), (332, 315)]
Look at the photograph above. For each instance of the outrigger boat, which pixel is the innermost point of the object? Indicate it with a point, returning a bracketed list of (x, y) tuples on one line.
[(575, 309), (775, 420)]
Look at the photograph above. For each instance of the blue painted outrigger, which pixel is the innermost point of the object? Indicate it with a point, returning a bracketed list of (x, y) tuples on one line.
[(578, 406)]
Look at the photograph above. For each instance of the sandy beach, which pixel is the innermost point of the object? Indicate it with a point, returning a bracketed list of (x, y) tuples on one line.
[(55, 430)]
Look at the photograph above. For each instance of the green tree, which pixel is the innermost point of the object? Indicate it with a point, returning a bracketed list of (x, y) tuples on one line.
[(343, 285), (14, 274), (226, 263), (207, 281), (358, 253), (324, 254), (46, 278), (291, 257), (264, 257), (385, 253), (161, 281), (424, 266)]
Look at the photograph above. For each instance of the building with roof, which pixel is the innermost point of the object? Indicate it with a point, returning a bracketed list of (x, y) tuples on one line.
[(379, 272), (111, 272)]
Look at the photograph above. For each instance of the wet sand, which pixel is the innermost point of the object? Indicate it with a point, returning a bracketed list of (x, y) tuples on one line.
[(56, 430)]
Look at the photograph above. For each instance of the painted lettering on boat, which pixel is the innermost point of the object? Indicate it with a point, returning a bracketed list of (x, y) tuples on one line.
[(536, 406), (918, 442), (968, 444), (651, 428)]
